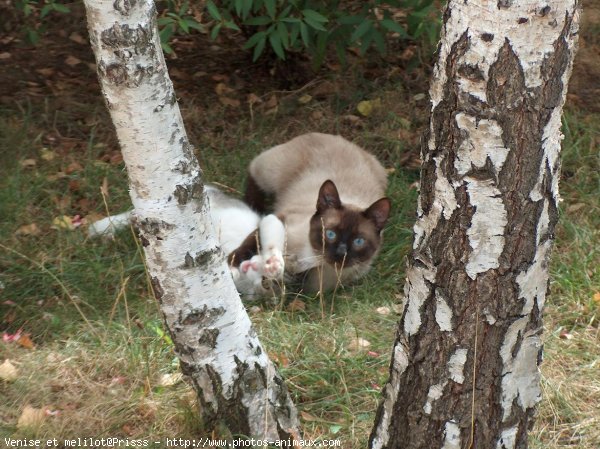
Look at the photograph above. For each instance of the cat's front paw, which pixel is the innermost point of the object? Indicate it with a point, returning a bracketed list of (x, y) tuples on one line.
[(274, 266)]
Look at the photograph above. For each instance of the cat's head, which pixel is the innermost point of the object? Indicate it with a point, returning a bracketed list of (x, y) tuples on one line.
[(346, 235)]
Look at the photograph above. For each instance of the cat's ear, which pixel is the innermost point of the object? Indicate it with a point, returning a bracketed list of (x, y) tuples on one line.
[(378, 212), (328, 197)]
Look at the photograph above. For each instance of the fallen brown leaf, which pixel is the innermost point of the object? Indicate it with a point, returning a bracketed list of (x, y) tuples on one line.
[(25, 341), (223, 89), (271, 102), (58, 175), (296, 305), (74, 185), (72, 61), (8, 372), (45, 71), (304, 99), (63, 222), (358, 343), (28, 229), (78, 38), (308, 417), (73, 167), (366, 107), (253, 99), (168, 380), (47, 155), (279, 359), (229, 102), (383, 310), (28, 163), (116, 158), (31, 417)]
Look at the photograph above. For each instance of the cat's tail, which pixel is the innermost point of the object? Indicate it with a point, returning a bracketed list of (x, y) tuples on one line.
[(107, 227)]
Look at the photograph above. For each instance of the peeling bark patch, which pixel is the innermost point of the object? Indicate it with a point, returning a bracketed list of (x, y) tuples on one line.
[(451, 436), (533, 281), (435, 392), (520, 373), (381, 433), (486, 234), (456, 365), (417, 289), (508, 438), (443, 313), (483, 141)]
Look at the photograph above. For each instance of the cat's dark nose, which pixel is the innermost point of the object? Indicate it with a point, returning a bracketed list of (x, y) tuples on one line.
[(342, 249)]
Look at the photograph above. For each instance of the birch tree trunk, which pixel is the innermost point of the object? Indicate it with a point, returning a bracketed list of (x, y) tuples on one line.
[(464, 371), (218, 349)]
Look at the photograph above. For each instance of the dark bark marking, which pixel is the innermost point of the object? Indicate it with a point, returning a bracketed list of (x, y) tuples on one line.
[(249, 380), (487, 37), (203, 317), (119, 37), (151, 229), (115, 73), (201, 259), (444, 126), (188, 192), (471, 72), (183, 167), (124, 6), (522, 20), (157, 289), (208, 337), (125, 42), (504, 4)]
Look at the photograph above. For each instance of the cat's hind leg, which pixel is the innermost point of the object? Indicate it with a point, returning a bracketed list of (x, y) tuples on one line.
[(255, 197)]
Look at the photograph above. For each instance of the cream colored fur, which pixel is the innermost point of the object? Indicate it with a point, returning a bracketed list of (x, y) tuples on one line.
[(294, 172)]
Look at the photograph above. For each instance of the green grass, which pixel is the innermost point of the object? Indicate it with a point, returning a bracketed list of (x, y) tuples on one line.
[(105, 373)]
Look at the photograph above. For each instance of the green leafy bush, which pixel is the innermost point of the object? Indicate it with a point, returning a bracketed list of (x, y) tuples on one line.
[(284, 26), (289, 26), (35, 13)]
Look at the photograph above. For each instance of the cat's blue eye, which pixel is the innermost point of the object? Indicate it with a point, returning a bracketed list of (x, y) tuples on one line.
[(330, 234), (359, 241)]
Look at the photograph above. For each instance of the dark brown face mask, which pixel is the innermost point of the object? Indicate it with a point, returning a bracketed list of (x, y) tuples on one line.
[(344, 235)]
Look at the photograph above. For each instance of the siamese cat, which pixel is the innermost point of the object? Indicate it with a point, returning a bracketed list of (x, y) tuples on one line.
[(330, 195), (254, 244)]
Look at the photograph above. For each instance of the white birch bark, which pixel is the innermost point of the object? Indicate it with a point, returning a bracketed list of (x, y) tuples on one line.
[(469, 340), (213, 336)]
